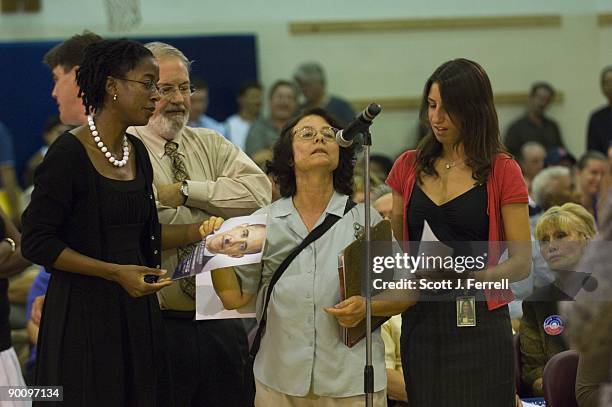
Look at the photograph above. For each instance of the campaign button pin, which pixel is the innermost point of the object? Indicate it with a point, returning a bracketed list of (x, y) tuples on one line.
[(553, 325)]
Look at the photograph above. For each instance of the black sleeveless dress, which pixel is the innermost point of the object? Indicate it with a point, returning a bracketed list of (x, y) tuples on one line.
[(445, 365), (112, 346)]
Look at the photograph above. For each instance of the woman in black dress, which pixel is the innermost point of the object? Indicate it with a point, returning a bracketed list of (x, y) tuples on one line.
[(460, 181), (92, 223)]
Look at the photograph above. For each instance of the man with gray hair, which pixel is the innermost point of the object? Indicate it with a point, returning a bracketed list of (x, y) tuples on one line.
[(197, 174), (531, 160), (310, 77), (552, 186), (382, 200)]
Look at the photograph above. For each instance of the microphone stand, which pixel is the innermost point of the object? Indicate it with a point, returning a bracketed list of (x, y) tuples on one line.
[(361, 125), (368, 373)]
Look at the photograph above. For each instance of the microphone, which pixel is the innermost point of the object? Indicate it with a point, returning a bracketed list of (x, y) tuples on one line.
[(345, 137)]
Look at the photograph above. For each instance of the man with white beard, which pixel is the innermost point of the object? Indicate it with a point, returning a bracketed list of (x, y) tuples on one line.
[(197, 174)]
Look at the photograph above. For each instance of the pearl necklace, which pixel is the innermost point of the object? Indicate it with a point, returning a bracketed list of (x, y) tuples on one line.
[(111, 157)]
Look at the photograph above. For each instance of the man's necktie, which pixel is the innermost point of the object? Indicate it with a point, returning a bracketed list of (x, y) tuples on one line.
[(179, 171)]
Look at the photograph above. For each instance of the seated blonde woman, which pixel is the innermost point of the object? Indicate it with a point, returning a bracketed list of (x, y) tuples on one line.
[(563, 232)]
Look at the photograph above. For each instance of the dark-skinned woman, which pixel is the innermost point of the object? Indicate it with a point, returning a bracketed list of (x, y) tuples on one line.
[(92, 223)]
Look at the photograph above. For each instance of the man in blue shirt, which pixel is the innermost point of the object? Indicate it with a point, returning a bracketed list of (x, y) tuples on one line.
[(199, 105), (38, 288)]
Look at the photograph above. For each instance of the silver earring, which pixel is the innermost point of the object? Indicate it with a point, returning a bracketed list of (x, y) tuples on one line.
[(115, 96)]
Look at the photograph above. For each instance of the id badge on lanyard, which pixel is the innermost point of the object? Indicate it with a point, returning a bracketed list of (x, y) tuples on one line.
[(466, 311)]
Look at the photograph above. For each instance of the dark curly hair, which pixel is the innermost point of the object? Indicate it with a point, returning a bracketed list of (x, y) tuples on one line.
[(468, 98), (103, 59), (281, 168)]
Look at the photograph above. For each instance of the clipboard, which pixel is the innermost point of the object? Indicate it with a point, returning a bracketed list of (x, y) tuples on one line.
[(352, 277)]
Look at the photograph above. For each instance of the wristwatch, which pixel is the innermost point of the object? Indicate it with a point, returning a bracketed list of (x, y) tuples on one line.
[(11, 242), (185, 190)]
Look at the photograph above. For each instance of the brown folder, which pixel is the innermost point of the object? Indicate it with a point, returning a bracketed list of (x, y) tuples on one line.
[(350, 269)]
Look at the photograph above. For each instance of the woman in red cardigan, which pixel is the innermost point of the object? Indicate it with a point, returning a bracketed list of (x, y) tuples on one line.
[(462, 184)]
